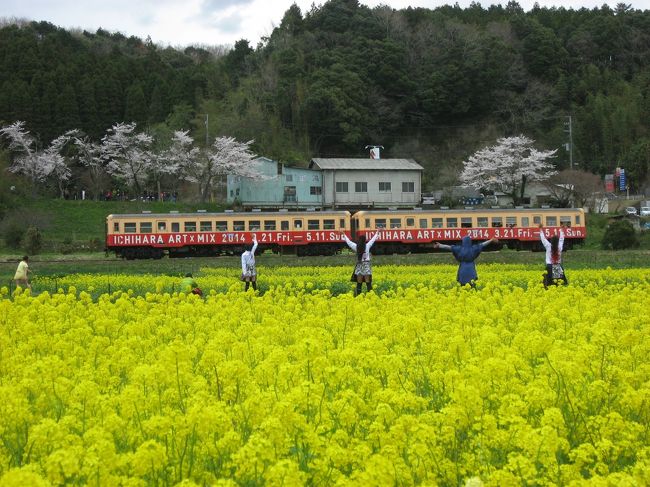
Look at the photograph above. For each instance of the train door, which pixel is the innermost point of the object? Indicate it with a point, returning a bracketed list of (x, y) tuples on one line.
[(161, 226)]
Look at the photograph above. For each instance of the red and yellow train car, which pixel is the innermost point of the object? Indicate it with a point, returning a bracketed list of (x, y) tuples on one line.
[(414, 230), (151, 235)]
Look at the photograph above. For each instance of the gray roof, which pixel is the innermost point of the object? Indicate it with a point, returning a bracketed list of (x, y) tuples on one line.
[(364, 164)]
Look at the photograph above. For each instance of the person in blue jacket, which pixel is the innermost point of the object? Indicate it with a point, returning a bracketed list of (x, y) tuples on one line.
[(466, 253)]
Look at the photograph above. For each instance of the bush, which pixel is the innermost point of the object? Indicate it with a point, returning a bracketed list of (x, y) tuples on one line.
[(620, 235), (33, 240), (13, 234)]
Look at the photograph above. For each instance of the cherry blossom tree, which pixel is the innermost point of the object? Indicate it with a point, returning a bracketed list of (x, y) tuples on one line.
[(89, 155), (179, 159), (226, 156), (127, 154), (507, 166), (37, 165)]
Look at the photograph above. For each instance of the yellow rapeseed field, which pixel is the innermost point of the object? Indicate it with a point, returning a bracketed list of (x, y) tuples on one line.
[(420, 383)]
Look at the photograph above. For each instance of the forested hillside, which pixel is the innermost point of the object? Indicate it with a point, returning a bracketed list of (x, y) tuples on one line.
[(435, 85)]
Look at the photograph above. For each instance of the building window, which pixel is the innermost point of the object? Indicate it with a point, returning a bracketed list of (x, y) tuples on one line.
[(408, 187), (190, 226), (289, 178), (315, 190), (341, 187), (129, 228), (289, 193), (384, 187), (360, 187)]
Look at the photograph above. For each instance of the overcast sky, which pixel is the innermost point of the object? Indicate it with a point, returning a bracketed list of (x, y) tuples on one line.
[(212, 22)]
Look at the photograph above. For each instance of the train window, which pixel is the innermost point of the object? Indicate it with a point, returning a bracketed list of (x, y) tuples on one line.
[(329, 225), (537, 220), (269, 224), (511, 221), (466, 222), (395, 223), (205, 226), (146, 227), (436, 223), (577, 219), (116, 227), (221, 226), (313, 225), (284, 225), (379, 223), (482, 221), (367, 222), (423, 223), (551, 221), (190, 226), (176, 227), (129, 228), (410, 222), (297, 224), (497, 221), (238, 226), (524, 221), (162, 226), (254, 226), (565, 220), (452, 222), (342, 223)]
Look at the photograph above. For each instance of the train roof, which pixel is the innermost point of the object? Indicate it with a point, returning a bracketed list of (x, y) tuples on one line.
[(468, 211), (249, 214)]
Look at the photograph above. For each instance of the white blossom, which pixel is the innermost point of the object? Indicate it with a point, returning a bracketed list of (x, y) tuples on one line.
[(127, 154)]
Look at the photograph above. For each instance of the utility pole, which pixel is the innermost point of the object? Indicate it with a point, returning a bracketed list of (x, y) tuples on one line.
[(568, 128), (207, 132)]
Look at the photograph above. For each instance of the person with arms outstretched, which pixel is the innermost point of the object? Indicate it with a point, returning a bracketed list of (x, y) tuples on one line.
[(466, 253), (362, 269), (248, 270), (554, 268)]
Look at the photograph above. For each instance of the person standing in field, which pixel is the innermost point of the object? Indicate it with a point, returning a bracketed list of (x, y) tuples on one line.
[(466, 253), (22, 274), (362, 269), (248, 270), (554, 268)]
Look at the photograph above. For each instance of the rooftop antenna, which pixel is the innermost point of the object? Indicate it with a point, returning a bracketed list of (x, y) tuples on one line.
[(374, 151)]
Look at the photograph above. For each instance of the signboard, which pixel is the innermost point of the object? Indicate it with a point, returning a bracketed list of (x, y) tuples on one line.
[(622, 181), (609, 183)]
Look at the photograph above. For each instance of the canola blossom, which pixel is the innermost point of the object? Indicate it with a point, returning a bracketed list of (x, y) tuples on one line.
[(421, 383)]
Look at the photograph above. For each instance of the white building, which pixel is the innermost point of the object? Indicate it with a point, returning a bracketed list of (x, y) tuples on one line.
[(369, 182)]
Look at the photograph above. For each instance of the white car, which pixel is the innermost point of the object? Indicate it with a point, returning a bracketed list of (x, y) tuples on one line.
[(645, 211), (630, 210)]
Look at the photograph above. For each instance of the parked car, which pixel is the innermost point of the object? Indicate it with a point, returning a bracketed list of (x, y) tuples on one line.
[(630, 210), (645, 211)]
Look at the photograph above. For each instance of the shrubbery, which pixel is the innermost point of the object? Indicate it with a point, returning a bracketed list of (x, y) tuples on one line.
[(620, 235)]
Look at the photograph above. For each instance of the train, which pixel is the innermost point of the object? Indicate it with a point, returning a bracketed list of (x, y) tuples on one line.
[(149, 235)]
